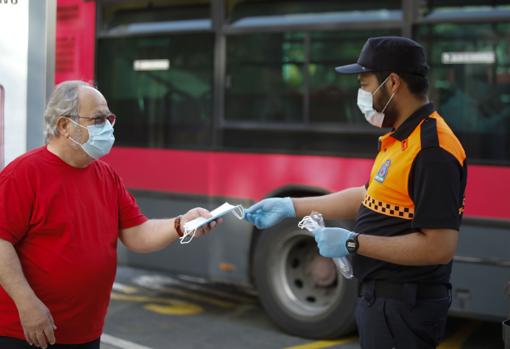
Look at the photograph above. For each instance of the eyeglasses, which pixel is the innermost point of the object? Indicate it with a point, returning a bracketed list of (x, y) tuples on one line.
[(99, 120)]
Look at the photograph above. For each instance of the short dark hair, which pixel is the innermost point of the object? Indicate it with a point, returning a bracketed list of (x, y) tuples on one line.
[(418, 84)]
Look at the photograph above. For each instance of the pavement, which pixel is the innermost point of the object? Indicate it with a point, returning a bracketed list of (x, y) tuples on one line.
[(158, 310)]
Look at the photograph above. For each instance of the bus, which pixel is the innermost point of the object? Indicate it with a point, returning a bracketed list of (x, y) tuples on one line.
[(237, 100)]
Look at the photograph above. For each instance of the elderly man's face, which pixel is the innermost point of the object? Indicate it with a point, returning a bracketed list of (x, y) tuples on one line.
[(92, 105), (93, 109)]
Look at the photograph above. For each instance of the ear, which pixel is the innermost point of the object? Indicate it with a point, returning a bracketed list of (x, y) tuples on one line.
[(395, 82), (63, 126)]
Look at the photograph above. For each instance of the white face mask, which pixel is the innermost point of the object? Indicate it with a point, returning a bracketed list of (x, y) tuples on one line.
[(366, 105), (100, 140)]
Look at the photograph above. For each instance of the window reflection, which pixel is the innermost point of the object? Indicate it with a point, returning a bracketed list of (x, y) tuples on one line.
[(465, 5), (271, 77), (333, 96), (169, 102), (472, 92), (264, 81)]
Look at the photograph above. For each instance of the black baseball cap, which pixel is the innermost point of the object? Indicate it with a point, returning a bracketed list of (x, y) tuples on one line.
[(389, 53)]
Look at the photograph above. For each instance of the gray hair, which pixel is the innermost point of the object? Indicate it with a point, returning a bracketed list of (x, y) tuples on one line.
[(64, 101)]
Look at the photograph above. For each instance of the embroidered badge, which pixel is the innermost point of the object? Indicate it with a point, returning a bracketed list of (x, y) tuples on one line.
[(383, 171)]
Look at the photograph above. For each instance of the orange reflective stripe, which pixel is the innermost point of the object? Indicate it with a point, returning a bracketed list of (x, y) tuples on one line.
[(394, 186), (447, 139)]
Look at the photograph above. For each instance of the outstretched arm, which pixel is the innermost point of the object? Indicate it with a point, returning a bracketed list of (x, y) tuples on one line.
[(156, 234), (340, 205)]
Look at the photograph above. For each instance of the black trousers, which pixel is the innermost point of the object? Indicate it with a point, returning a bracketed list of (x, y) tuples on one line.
[(15, 343), (405, 322)]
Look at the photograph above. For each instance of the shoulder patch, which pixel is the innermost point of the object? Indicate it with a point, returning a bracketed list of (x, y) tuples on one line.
[(383, 171)]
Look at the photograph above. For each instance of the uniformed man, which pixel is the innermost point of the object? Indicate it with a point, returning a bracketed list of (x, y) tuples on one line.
[(407, 215)]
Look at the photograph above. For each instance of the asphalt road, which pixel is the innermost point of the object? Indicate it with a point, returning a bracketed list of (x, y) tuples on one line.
[(153, 310)]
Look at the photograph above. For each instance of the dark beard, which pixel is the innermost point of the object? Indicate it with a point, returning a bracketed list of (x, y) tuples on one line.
[(390, 114)]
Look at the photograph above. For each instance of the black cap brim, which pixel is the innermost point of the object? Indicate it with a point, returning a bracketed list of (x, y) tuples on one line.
[(352, 69)]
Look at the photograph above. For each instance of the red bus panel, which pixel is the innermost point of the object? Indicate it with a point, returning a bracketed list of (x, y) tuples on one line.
[(76, 22), (253, 176)]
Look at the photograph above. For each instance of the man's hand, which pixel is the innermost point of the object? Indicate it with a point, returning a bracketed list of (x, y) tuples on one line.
[(331, 241), (37, 322), (268, 212), (200, 212)]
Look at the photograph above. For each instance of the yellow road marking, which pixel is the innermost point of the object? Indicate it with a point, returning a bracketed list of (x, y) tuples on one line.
[(158, 283), (175, 309), (136, 298), (200, 298), (124, 288), (147, 299), (172, 306), (323, 344), (456, 340)]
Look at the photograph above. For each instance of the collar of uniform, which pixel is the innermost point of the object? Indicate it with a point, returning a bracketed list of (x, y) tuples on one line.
[(384, 140), (412, 121)]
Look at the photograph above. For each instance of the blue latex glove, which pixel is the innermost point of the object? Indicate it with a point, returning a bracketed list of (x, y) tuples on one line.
[(268, 212), (331, 241)]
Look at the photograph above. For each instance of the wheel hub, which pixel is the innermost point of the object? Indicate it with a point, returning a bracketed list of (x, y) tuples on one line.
[(306, 283)]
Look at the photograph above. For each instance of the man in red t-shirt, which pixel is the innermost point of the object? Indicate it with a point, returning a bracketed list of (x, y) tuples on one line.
[(61, 212)]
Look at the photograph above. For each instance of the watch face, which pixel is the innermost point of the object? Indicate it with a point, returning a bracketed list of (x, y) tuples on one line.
[(352, 245)]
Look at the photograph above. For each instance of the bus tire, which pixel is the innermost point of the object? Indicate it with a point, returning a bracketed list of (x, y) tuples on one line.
[(286, 283)]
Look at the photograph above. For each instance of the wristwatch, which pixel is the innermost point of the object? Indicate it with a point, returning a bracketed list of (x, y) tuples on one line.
[(352, 243)]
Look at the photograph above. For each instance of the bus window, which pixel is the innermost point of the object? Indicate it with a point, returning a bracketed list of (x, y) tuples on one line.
[(282, 93), (161, 88), (469, 5), (332, 98), (265, 75), (470, 71)]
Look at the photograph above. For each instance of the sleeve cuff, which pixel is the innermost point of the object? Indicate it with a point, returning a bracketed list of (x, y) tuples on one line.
[(133, 222), (7, 237)]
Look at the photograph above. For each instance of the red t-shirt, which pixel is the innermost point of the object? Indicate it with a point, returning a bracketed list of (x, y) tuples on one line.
[(64, 223)]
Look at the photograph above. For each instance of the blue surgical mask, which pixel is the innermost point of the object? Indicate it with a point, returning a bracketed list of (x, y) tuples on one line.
[(100, 140), (366, 105)]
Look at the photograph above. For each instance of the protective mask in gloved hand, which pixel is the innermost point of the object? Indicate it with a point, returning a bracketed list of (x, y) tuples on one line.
[(312, 223)]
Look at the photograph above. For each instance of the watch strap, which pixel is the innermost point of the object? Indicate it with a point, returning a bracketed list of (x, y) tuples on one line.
[(177, 226), (352, 243)]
